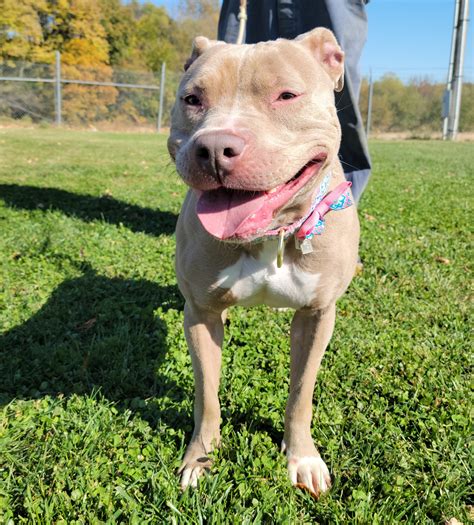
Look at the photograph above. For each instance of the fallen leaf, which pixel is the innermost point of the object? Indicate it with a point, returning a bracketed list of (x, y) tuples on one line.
[(470, 509), (87, 325), (359, 269), (442, 260), (107, 193)]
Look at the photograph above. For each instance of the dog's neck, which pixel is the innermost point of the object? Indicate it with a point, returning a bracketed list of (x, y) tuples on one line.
[(322, 202)]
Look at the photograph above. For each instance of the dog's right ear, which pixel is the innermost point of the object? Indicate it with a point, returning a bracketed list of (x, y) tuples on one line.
[(323, 45), (200, 45)]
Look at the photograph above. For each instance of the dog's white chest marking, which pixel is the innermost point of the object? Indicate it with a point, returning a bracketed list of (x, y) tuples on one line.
[(258, 280)]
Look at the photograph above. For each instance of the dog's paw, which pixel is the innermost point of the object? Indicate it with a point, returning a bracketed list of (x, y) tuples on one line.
[(309, 473), (191, 470), (196, 460)]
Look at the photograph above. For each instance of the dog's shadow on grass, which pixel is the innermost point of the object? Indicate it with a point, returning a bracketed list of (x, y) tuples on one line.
[(89, 208), (97, 334)]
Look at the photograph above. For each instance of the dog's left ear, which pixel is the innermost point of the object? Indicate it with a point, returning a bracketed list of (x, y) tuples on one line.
[(323, 45), (200, 45)]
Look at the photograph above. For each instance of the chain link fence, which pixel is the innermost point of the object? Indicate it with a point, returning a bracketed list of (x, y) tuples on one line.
[(76, 96), (107, 98)]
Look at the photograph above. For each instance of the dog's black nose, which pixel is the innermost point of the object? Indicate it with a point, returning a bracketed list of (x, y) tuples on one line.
[(218, 153)]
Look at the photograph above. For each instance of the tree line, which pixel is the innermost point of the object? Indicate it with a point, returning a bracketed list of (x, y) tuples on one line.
[(99, 40), (103, 33), (415, 106), (114, 40)]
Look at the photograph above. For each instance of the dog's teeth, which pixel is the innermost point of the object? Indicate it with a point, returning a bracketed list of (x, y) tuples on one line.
[(272, 191)]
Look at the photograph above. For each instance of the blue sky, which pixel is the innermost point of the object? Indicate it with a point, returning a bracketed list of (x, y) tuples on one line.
[(411, 38)]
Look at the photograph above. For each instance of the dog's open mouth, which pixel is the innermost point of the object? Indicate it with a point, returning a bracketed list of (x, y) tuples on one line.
[(241, 215)]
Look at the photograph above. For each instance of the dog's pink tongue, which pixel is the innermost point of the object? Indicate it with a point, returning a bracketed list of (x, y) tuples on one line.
[(221, 211)]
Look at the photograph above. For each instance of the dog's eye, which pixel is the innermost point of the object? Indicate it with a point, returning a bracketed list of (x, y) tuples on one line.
[(192, 100), (287, 95)]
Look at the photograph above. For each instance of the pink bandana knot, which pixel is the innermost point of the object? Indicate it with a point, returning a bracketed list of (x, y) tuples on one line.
[(337, 199)]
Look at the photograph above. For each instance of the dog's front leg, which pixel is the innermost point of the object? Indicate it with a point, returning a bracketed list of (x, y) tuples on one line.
[(310, 334), (204, 333)]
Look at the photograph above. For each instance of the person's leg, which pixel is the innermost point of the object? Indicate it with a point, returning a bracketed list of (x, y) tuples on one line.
[(262, 21), (228, 27), (349, 23)]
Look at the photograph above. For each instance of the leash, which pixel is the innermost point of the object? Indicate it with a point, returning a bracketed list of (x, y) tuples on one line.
[(242, 21)]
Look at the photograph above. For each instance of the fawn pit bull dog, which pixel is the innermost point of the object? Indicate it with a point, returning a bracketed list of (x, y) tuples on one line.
[(267, 220)]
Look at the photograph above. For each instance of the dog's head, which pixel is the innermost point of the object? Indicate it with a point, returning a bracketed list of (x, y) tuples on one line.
[(253, 125)]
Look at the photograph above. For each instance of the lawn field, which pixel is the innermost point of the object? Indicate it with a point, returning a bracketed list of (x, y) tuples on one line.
[(96, 383)]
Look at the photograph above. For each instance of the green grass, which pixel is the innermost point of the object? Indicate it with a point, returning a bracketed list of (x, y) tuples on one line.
[(96, 384)]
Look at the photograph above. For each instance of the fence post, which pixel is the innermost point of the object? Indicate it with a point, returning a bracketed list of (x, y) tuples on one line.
[(369, 105), (162, 95), (57, 90)]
